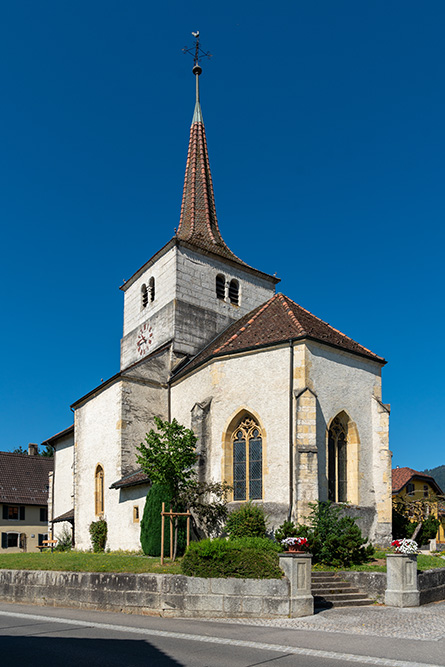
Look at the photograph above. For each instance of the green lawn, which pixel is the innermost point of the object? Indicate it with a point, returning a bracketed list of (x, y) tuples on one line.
[(77, 561), (423, 563)]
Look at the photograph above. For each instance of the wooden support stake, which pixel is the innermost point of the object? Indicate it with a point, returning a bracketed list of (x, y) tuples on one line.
[(162, 532), (171, 533), (188, 528)]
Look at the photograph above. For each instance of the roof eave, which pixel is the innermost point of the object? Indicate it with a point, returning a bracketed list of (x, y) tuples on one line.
[(184, 372)]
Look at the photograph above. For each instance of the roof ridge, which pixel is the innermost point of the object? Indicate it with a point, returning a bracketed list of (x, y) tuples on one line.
[(289, 311), (245, 323)]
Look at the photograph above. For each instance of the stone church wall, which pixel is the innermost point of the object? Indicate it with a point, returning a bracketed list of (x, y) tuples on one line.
[(63, 499), (345, 382), (98, 425), (252, 382)]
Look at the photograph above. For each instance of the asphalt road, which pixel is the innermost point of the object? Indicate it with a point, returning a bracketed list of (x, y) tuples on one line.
[(37, 636)]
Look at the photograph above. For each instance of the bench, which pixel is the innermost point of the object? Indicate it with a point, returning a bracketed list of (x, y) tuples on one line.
[(46, 544)]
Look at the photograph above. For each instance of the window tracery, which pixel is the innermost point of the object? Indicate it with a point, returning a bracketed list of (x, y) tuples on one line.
[(337, 462), (247, 443)]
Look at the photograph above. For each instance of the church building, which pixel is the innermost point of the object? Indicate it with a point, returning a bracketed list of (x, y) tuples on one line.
[(286, 408)]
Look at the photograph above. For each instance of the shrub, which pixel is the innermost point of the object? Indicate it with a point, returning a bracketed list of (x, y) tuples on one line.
[(247, 521), (247, 557), (334, 539), (151, 521), (287, 529), (98, 533), (64, 541), (428, 531)]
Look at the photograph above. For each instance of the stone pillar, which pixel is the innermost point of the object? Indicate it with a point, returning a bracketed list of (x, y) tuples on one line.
[(200, 427), (297, 568), (401, 580), (306, 453)]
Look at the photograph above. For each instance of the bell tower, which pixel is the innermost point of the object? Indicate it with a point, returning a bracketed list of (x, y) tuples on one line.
[(195, 286)]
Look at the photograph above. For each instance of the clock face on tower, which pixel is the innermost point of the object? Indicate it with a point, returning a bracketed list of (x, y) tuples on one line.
[(144, 339)]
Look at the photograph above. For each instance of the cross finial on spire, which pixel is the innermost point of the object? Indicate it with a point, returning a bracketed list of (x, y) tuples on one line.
[(197, 53)]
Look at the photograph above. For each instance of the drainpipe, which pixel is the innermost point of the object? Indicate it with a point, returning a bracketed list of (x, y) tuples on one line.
[(291, 429), (169, 402)]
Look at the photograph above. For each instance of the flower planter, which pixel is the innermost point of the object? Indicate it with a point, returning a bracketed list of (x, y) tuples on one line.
[(401, 582)]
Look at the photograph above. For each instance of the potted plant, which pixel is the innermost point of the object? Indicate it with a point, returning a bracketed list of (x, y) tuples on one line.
[(405, 546), (295, 544)]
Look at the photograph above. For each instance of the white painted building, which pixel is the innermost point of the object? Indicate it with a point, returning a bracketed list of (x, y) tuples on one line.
[(286, 408)]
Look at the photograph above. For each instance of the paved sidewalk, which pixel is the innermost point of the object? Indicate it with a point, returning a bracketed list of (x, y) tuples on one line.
[(418, 623)]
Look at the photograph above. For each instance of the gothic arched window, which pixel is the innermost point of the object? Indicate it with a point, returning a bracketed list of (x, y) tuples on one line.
[(151, 288), (247, 446), (99, 490), (144, 296), (337, 462), (234, 292), (220, 285)]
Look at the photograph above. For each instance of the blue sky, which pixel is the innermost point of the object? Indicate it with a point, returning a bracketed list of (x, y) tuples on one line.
[(325, 124)]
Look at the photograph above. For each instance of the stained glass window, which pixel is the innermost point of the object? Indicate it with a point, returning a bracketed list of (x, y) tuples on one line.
[(247, 461)]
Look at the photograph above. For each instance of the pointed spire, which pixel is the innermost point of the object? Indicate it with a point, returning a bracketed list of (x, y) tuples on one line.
[(198, 223)]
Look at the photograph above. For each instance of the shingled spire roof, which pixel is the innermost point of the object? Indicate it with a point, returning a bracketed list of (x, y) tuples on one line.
[(198, 224)]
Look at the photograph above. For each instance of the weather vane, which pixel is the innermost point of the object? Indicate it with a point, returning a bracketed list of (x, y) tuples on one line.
[(196, 51)]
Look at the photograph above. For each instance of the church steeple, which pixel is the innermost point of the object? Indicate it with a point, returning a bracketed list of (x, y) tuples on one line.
[(198, 223)]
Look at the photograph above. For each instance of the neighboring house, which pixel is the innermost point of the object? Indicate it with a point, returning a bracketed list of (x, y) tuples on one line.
[(286, 408), (24, 499), (412, 485), (61, 505)]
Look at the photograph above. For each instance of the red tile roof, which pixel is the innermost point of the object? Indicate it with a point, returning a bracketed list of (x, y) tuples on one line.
[(278, 320), (24, 478), (401, 477), (67, 516)]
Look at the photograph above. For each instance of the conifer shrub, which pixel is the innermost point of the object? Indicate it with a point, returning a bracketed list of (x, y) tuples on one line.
[(98, 534), (247, 558), (247, 521), (333, 539), (151, 523)]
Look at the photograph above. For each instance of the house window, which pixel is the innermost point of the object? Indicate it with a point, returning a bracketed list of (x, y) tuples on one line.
[(135, 514), (247, 446), (99, 490), (234, 292), (41, 538), (337, 462), (220, 287), (10, 540), (144, 296), (13, 513), (410, 489), (151, 289), (425, 491), (43, 514)]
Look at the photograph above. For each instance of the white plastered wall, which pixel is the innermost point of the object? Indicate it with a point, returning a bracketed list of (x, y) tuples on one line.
[(97, 441), (257, 382), (63, 494)]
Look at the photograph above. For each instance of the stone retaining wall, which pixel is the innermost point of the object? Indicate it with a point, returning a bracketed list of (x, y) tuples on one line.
[(431, 584), (372, 583), (154, 594)]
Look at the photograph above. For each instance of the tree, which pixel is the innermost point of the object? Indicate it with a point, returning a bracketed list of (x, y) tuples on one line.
[(19, 450), (48, 451), (415, 517), (168, 457)]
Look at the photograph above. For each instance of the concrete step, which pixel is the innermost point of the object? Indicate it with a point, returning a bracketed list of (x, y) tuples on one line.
[(363, 602), (329, 591), (331, 585)]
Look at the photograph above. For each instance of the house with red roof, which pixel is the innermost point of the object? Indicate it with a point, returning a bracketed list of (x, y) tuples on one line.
[(24, 486), (413, 487), (287, 408)]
